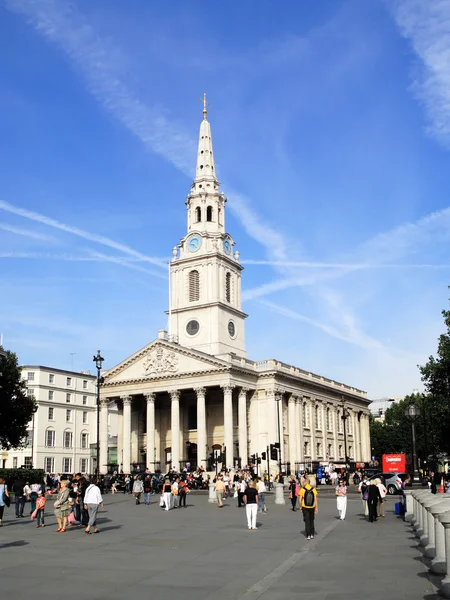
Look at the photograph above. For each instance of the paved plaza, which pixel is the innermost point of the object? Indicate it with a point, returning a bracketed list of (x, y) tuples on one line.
[(205, 553)]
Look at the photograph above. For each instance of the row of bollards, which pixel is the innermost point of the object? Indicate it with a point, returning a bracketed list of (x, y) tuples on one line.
[(429, 516)]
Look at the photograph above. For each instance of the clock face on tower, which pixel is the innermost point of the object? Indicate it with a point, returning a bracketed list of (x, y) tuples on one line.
[(227, 246), (194, 243)]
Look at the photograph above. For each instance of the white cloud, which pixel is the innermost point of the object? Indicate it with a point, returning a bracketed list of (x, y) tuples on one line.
[(93, 237), (426, 24)]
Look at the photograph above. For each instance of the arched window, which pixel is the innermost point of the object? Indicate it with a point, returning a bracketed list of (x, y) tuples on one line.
[(316, 417), (194, 286), (209, 213), (228, 287), (219, 216), (68, 439), (328, 420), (198, 214)]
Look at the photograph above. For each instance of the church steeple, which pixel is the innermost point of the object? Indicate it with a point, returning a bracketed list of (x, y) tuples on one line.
[(206, 205), (205, 292), (205, 159)]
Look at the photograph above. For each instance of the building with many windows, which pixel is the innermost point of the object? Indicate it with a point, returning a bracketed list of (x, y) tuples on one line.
[(192, 393), (65, 424)]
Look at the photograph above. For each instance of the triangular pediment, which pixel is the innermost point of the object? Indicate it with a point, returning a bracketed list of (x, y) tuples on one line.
[(161, 359)]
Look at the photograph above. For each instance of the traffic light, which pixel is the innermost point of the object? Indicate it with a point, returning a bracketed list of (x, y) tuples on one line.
[(263, 455), (277, 445), (273, 452), (259, 460)]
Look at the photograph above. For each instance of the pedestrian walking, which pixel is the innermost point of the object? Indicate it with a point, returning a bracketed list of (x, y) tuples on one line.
[(292, 492), (61, 506), (383, 493), (175, 499), (167, 494), (341, 500), (251, 505), (92, 500), (35, 488), (40, 509), (138, 489), (363, 490), (373, 497), (183, 491), (219, 486), (241, 487), (19, 497), (3, 494), (261, 489), (309, 506), (147, 490)]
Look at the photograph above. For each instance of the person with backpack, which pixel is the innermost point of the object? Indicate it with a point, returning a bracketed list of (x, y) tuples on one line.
[(309, 507)]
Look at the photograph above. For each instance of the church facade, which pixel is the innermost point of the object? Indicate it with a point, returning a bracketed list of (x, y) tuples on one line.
[(192, 393)]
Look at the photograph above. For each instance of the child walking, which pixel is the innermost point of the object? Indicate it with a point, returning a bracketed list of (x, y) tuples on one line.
[(40, 507)]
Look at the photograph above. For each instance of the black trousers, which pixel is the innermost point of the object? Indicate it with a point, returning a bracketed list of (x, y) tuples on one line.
[(308, 517), (2, 508), (20, 504), (372, 506), (182, 497), (240, 499), (293, 500)]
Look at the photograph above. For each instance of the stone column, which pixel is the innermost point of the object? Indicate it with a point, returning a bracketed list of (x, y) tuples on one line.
[(312, 428), (299, 428), (242, 420), (175, 428), (362, 427), (150, 397), (292, 433), (357, 439), (103, 466), (201, 427), (119, 436), (445, 584), (280, 425), (126, 433), (228, 423)]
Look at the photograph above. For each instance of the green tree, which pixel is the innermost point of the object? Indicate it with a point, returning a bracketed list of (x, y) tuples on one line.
[(16, 408), (436, 377)]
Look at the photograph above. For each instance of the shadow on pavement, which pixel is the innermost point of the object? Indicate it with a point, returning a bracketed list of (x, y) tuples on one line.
[(13, 544)]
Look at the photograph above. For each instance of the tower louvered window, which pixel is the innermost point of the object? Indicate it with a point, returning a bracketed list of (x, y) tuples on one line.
[(198, 214), (209, 213), (194, 286), (228, 287)]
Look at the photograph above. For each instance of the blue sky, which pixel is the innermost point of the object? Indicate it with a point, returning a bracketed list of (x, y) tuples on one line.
[(331, 130)]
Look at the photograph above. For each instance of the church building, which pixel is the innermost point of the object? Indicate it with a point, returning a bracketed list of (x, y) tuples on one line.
[(192, 393)]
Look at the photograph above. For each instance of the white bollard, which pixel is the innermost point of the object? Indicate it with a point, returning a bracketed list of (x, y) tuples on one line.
[(445, 584), (409, 514), (428, 533), (417, 494), (279, 494), (212, 493), (438, 562), (421, 514)]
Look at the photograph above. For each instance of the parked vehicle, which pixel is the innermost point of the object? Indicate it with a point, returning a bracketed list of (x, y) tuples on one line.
[(392, 481)]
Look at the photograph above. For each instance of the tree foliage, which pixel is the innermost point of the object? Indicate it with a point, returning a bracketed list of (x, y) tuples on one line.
[(433, 424), (16, 408)]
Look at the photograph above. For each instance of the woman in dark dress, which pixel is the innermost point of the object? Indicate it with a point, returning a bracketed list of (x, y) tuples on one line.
[(373, 498)]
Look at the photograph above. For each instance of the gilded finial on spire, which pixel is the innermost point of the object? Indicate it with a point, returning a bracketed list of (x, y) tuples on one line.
[(205, 110)]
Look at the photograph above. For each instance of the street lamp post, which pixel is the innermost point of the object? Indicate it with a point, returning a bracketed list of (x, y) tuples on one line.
[(412, 412), (98, 359)]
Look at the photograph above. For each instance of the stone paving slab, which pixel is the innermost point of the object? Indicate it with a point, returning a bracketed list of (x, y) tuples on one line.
[(207, 553)]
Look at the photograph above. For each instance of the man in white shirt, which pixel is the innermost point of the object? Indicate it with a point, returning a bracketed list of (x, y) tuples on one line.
[(92, 500), (261, 489)]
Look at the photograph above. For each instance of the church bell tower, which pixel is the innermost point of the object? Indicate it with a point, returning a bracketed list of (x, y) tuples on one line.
[(205, 273)]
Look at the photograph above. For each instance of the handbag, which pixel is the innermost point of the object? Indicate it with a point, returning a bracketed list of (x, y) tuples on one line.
[(34, 514), (6, 499), (71, 518), (161, 501)]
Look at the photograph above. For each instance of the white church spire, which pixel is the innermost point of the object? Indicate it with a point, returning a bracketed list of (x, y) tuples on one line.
[(205, 159)]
